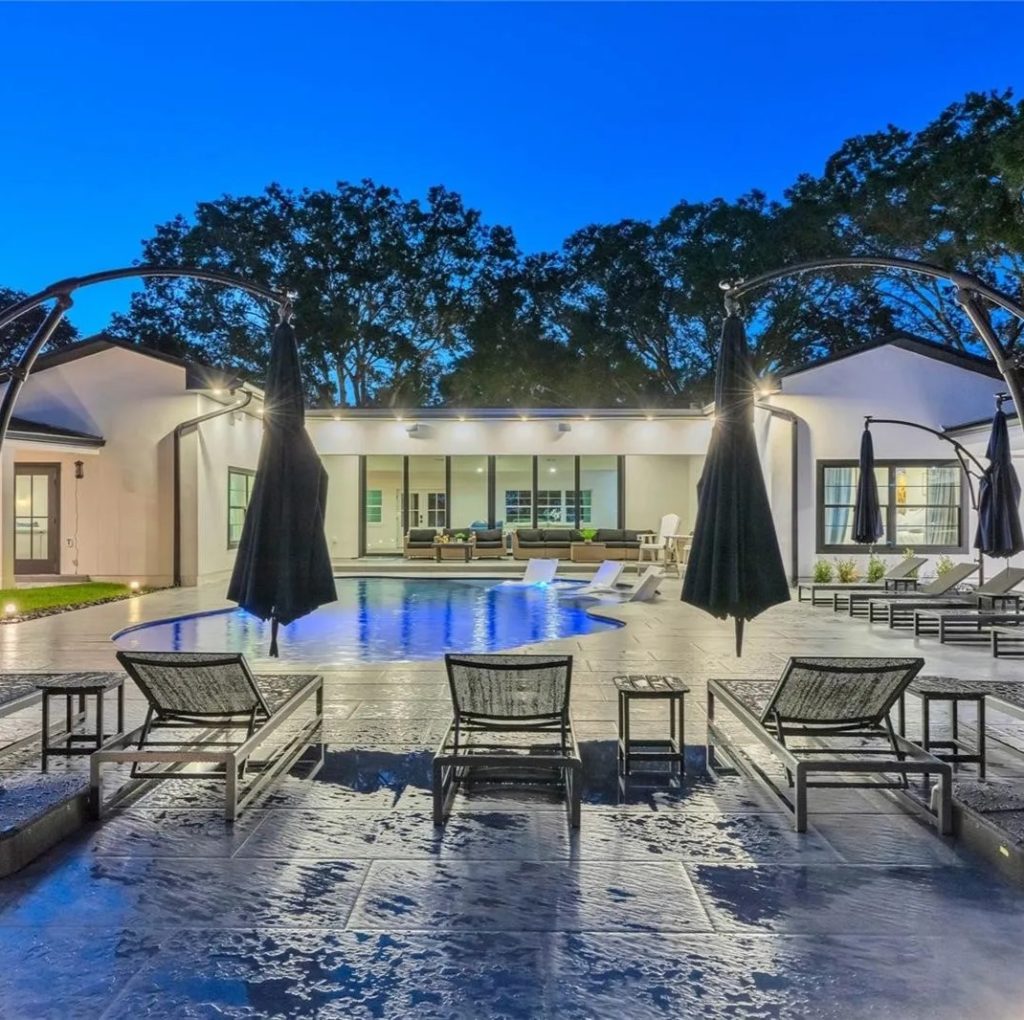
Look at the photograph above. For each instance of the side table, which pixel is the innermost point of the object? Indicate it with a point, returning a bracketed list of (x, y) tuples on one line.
[(953, 690), (455, 551), (645, 686), (80, 686)]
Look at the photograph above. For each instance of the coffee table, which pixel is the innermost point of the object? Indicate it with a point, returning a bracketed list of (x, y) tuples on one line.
[(453, 551), (587, 552)]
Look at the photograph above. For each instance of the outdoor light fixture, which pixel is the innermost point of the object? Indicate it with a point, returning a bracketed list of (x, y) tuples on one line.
[(337, 417), (650, 417), (398, 417), (134, 586), (552, 470), (218, 392), (586, 417), (523, 417), (462, 417), (564, 426), (10, 609), (479, 471)]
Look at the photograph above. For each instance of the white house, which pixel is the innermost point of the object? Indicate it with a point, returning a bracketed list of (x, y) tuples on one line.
[(127, 464)]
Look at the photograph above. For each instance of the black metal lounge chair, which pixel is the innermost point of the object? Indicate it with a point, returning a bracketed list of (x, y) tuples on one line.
[(819, 701), (944, 584), (964, 624), (209, 709), (995, 594), (901, 577), (525, 696)]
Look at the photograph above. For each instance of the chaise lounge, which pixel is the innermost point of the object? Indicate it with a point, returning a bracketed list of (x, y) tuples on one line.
[(901, 577), (524, 696), (816, 701), (210, 710)]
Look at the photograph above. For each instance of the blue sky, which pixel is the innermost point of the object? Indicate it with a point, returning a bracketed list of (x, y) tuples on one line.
[(544, 116)]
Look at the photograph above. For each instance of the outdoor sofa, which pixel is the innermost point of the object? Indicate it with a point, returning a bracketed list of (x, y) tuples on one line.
[(815, 703), (420, 543), (522, 697), (210, 710), (554, 543)]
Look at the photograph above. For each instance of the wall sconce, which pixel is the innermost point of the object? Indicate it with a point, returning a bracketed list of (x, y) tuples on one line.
[(564, 426)]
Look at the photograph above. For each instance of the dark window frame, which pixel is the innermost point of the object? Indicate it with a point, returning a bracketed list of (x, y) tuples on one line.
[(249, 474), (889, 544)]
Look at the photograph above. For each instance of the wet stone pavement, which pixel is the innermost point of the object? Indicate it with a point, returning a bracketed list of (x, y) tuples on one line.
[(335, 896)]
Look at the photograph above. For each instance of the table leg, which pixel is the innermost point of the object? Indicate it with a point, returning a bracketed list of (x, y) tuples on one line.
[(46, 727), (682, 733), (68, 713), (120, 710), (625, 731), (620, 747), (981, 736), (926, 722), (954, 722), (901, 715), (99, 718)]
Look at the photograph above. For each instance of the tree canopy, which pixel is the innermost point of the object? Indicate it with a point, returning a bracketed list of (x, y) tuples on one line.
[(403, 302)]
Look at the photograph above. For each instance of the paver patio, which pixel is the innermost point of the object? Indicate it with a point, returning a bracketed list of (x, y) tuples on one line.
[(336, 897)]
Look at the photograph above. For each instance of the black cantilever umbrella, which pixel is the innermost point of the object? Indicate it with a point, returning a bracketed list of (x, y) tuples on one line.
[(283, 567), (867, 511), (735, 567), (999, 529)]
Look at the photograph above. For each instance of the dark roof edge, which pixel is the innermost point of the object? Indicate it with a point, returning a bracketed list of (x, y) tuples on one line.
[(40, 432), (970, 426), (914, 344)]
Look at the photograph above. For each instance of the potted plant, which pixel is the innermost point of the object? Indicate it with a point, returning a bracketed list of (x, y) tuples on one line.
[(589, 534), (876, 568), (846, 571), (822, 572)]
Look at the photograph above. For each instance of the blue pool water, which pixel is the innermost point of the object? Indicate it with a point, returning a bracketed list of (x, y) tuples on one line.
[(379, 619)]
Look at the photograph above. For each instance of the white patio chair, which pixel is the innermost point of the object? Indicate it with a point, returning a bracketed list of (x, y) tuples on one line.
[(643, 589), (656, 548), (604, 580)]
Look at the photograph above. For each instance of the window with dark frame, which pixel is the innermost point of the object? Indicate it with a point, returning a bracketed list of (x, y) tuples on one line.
[(374, 506), (922, 505), (239, 493)]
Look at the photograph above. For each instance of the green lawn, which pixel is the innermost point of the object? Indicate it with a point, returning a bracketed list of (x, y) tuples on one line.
[(58, 596)]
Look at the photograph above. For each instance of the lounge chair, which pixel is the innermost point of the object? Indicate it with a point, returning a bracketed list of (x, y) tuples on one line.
[(524, 695), (860, 601), (964, 624), (537, 572), (903, 576), (209, 709), (997, 593), (642, 590), (604, 580), (822, 700)]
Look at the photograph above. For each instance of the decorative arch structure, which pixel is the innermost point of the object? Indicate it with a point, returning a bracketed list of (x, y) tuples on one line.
[(60, 293), (972, 294)]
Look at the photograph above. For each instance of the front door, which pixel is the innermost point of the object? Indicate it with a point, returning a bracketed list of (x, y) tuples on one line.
[(37, 518), (427, 510)]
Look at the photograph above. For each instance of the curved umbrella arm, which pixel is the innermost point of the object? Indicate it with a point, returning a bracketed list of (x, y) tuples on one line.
[(61, 292), (971, 292), (963, 455)]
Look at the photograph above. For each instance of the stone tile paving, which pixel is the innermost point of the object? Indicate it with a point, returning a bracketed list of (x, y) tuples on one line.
[(336, 897)]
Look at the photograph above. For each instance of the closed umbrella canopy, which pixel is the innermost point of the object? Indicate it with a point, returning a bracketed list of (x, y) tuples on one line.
[(867, 512), (283, 567), (735, 567), (999, 528)]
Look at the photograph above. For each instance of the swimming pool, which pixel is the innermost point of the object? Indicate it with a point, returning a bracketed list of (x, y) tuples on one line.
[(386, 619)]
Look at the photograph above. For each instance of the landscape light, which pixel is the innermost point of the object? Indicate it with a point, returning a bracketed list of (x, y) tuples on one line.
[(337, 417), (398, 417), (10, 609), (479, 471), (134, 586), (523, 417), (650, 417), (462, 417)]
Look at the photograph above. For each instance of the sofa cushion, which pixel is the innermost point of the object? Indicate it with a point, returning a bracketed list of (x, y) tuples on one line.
[(533, 545), (488, 535), (529, 535), (608, 535), (631, 536), (621, 545), (489, 545), (575, 535), (556, 536), (417, 535)]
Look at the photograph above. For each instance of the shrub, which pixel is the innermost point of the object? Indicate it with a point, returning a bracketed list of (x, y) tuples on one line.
[(943, 565), (846, 571), (822, 572), (876, 568), (907, 553)]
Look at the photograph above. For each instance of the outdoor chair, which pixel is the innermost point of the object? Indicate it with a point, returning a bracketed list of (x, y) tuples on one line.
[(860, 601), (821, 701), (642, 590), (605, 579), (997, 593), (522, 697), (537, 571), (902, 576), (210, 710), (657, 548)]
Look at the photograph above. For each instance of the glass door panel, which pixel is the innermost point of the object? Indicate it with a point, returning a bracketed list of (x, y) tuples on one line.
[(37, 519)]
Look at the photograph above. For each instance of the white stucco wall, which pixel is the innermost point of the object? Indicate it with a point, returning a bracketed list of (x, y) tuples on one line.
[(831, 402)]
